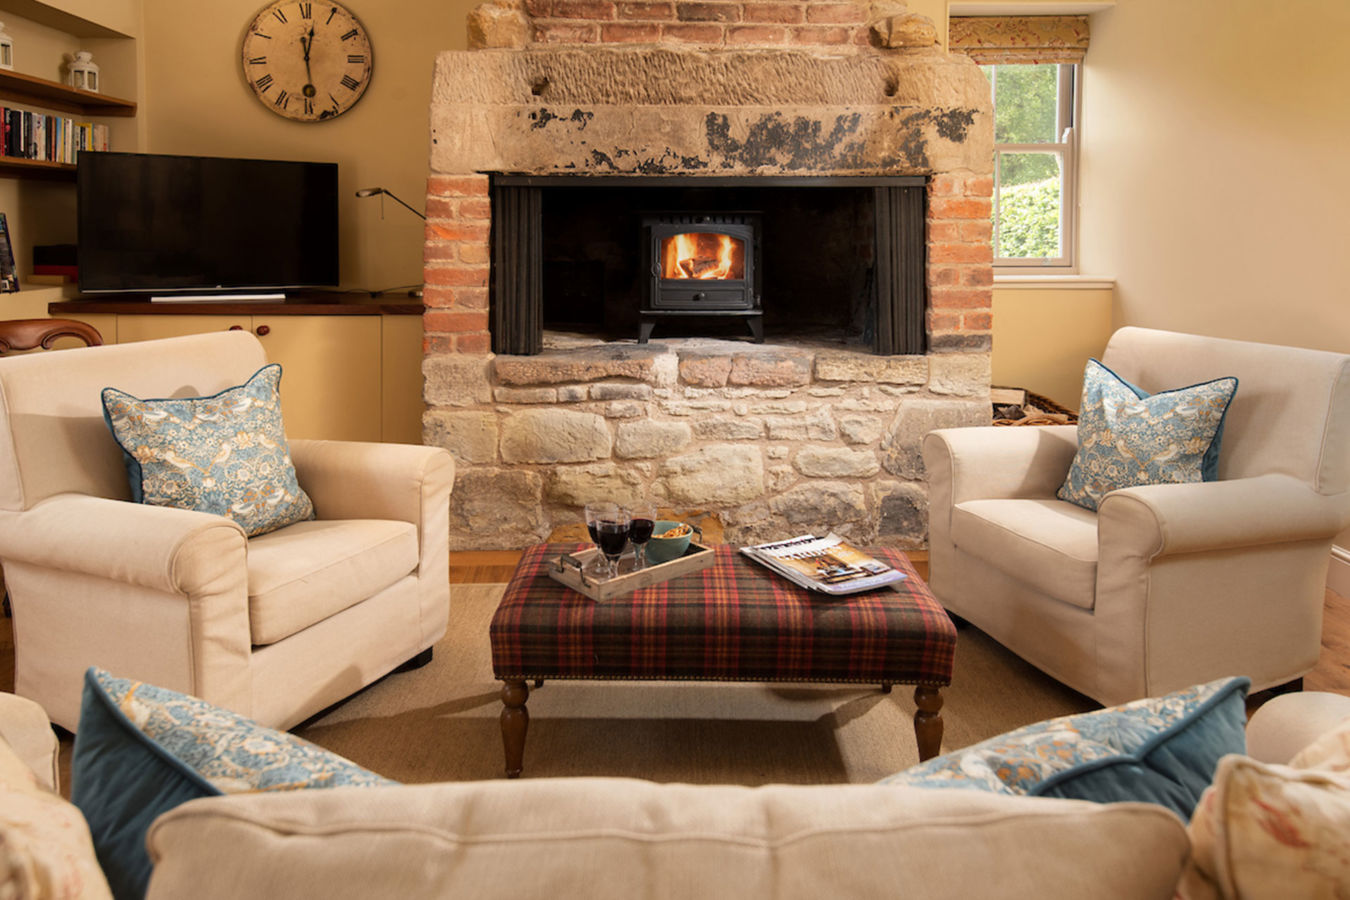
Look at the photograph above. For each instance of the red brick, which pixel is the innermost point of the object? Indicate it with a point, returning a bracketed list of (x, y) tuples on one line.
[(566, 34), (775, 13), (439, 251), (942, 232), (756, 34), (440, 208), (977, 276), (959, 298), (647, 11), (944, 275), (475, 342), (980, 186), (959, 208), (977, 231), (434, 297), (437, 344), (944, 186), (835, 13), (457, 185), (692, 34), (459, 231), (467, 276), (453, 322), (471, 298), (630, 34), (475, 209), (821, 34), (583, 9), (977, 321), (708, 12), (475, 253), (943, 321), (538, 9), (968, 253)]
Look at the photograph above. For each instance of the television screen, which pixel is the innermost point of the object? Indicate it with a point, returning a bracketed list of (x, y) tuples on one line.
[(152, 222)]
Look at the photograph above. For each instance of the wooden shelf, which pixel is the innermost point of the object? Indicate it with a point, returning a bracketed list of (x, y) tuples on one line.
[(18, 166), (40, 92)]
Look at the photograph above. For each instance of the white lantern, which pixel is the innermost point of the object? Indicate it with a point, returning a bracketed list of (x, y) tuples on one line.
[(84, 72), (6, 48)]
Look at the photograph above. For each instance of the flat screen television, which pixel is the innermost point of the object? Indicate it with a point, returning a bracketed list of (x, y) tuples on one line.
[(155, 223)]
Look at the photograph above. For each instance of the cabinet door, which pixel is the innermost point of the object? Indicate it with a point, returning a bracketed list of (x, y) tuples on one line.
[(402, 379), (330, 374), (150, 328)]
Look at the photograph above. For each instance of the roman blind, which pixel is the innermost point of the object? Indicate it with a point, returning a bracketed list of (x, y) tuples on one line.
[(1019, 40)]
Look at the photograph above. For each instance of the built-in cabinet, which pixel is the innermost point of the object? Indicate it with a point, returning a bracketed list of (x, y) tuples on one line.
[(352, 376)]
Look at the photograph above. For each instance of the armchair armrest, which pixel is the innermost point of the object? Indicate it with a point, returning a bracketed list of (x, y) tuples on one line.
[(999, 462), (25, 727), (1163, 519), (367, 480), (158, 547), (1286, 724)]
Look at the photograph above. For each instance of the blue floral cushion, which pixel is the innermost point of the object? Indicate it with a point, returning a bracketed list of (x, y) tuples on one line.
[(1158, 750), (225, 454), (1128, 437), (142, 750)]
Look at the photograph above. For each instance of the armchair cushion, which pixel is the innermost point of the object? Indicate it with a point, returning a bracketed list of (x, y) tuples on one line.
[(1128, 437), (1156, 750), (224, 454), (141, 750), (308, 571), (1049, 544)]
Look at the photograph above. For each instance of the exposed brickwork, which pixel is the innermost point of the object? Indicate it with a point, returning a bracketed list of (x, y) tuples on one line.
[(720, 23), (456, 256), (960, 263)]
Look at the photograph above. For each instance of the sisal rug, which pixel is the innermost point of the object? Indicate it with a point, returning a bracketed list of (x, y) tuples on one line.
[(439, 723)]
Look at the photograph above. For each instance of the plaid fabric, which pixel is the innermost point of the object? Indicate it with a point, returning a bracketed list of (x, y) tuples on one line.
[(735, 620)]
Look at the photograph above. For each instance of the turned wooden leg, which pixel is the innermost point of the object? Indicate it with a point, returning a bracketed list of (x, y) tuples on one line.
[(928, 721), (885, 687), (515, 721), (539, 682)]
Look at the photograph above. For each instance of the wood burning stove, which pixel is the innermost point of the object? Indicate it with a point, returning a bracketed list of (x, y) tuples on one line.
[(701, 264)]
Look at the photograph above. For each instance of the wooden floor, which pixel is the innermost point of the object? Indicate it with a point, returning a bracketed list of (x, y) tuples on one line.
[(1332, 672)]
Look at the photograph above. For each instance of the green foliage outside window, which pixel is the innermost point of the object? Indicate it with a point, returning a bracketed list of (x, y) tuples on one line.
[(1029, 220)]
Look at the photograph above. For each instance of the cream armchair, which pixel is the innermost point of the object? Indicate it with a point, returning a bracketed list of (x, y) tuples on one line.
[(1164, 586), (276, 627)]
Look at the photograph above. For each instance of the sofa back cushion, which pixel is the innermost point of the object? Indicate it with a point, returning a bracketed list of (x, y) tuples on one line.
[(52, 435), (1291, 415), (605, 838)]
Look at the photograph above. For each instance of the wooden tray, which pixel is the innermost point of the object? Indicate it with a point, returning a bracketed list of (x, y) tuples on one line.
[(569, 568)]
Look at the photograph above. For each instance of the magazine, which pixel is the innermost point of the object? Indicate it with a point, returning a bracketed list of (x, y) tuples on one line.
[(828, 564)]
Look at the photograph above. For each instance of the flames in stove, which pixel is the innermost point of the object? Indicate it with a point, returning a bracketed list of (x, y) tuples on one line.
[(702, 256)]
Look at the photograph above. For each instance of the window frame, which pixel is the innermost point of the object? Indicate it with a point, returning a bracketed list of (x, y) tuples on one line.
[(1068, 116)]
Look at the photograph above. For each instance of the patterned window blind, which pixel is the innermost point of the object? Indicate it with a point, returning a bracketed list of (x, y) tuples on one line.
[(1019, 40)]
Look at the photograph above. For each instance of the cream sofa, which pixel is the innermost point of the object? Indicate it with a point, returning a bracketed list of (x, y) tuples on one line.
[(1164, 585), (600, 838), (276, 627)]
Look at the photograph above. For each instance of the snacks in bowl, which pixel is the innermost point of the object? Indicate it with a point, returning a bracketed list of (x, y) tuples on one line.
[(678, 531)]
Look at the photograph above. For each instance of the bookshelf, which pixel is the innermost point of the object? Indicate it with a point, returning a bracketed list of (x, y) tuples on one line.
[(15, 87)]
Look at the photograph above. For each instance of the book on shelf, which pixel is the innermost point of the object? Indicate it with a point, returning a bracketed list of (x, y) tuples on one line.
[(34, 135), (827, 564)]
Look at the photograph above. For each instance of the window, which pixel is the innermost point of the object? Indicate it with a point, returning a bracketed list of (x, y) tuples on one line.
[(1034, 163), (1033, 64)]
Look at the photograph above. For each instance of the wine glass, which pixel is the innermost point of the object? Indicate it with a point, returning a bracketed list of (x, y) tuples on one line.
[(641, 523), (608, 526)]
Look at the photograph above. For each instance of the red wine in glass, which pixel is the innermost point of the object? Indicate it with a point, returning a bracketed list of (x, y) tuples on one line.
[(612, 538), (640, 530), (642, 522)]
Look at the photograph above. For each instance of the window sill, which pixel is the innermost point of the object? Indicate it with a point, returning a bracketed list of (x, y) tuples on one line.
[(1052, 282)]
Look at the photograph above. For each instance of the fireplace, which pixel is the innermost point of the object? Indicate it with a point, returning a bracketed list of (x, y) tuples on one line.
[(852, 159), (701, 265)]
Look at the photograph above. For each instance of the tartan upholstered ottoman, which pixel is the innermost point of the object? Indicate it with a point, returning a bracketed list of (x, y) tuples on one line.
[(733, 621)]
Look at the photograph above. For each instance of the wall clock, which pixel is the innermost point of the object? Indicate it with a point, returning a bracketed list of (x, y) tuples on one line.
[(307, 61)]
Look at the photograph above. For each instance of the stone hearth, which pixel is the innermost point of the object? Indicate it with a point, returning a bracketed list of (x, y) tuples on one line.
[(774, 439)]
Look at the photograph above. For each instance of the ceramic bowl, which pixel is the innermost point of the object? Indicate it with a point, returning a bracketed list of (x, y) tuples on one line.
[(661, 549)]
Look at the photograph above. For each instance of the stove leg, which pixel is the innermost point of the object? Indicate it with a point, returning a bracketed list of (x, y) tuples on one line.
[(756, 328), (645, 331)]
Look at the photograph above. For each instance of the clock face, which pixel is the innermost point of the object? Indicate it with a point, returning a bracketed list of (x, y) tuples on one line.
[(307, 61)]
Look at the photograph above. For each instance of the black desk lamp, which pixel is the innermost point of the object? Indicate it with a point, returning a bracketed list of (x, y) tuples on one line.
[(371, 192)]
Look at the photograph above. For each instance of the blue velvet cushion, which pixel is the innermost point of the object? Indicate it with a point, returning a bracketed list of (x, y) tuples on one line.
[(225, 454), (1158, 750), (1127, 436), (142, 750)]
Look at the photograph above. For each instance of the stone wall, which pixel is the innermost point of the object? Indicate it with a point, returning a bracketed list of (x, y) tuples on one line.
[(776, 439)]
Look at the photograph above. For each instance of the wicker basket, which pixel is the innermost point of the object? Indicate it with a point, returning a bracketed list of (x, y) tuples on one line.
[(1040, 410)]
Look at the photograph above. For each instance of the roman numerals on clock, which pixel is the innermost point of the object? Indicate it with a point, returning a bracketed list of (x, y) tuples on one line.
[(296, 52)]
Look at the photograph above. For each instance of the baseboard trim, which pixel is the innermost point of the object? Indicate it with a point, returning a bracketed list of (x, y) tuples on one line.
[(1338, 574)]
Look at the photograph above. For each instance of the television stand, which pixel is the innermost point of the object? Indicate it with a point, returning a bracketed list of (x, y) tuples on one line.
[(219, 298)]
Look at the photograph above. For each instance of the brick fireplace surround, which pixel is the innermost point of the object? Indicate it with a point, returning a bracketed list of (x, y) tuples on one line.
[(773, 439)]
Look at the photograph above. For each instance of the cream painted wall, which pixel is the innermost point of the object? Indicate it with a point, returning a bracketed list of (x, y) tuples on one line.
[(1043, 338), (197, 102)]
